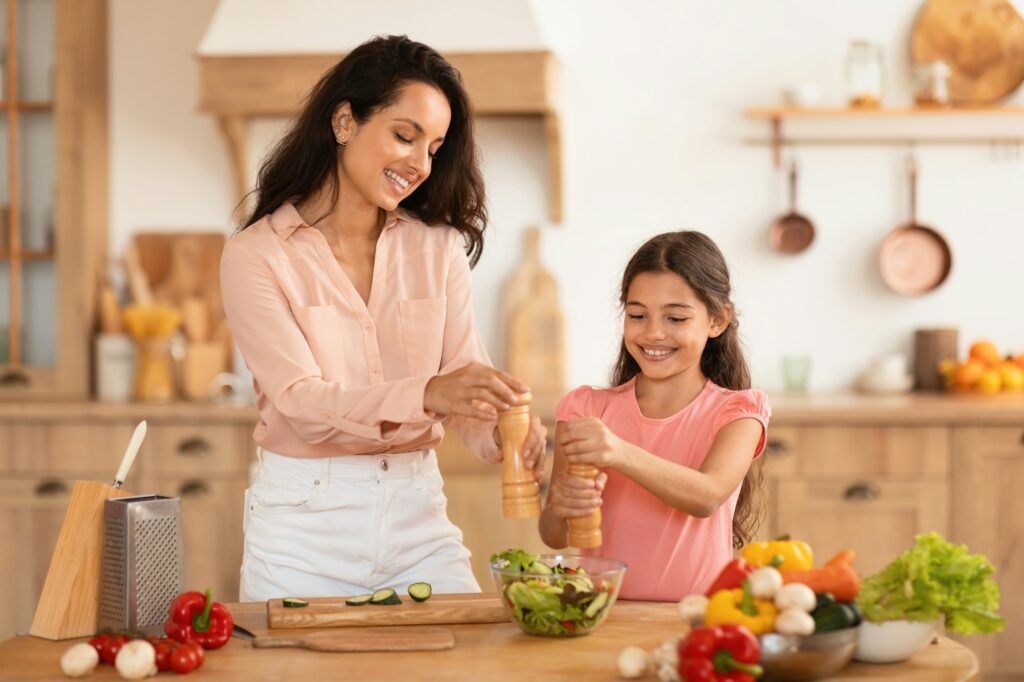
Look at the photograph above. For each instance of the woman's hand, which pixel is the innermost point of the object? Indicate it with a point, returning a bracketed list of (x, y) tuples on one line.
[(572, 496), (589, 441), (476, 390), (534, 447)]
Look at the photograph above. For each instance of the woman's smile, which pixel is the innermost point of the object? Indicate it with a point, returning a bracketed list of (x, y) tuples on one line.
[(398, 183)]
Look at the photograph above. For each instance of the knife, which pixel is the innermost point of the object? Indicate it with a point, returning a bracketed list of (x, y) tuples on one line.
[(239, 631)]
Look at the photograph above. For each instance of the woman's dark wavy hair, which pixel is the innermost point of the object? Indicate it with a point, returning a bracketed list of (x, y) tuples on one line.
[(695, 258), (370, 78)]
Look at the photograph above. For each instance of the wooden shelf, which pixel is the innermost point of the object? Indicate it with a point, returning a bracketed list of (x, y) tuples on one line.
[(30, 105), (28, 255), (777, 115)]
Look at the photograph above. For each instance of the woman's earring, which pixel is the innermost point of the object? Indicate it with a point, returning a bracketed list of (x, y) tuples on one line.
[(341, 142)]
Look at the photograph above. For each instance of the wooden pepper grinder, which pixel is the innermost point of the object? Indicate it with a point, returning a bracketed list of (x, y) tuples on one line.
[(585, 531), (520, 494)]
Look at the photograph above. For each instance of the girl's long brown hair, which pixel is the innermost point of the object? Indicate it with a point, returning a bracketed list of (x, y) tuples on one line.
[(370, 78), (695, 258)]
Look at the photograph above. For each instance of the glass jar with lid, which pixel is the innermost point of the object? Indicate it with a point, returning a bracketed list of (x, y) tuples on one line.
[(864, 75), (931, 84)]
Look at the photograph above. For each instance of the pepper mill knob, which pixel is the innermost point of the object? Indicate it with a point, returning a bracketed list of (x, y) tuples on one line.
[(520, 493)]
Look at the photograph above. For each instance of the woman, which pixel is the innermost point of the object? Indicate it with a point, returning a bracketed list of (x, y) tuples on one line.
[(348, 292)]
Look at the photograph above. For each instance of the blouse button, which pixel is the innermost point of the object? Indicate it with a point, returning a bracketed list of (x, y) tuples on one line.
[(368, 326), (375, 369)]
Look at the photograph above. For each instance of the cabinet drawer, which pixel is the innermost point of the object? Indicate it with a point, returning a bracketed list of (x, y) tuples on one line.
[(877, 517), (69, 448), (890, 451), (199, 451)]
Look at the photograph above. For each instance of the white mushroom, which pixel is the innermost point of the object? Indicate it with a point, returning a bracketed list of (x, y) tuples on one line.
[(668, 673), (79, 660), (666, 654), (632, 663), (692, 608), (794, 622), (795, 596), (765, 582), (136, 660)]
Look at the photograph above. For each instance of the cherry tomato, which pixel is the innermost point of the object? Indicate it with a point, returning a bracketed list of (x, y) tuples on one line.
[(186, 658), (107, 645), (163, 648)]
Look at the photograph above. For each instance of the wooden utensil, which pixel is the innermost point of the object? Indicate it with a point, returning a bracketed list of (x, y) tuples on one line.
[(981, 40), (440, 609), (792, 232), (69, 604), (914, 258), (397, 638), (520, 492), (110, 311)]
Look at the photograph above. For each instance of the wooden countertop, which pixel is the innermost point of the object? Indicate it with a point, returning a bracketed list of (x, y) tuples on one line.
[(482, 652)]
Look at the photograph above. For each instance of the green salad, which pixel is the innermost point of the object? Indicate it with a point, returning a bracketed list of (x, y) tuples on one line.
[(563, 602), (931, 579)]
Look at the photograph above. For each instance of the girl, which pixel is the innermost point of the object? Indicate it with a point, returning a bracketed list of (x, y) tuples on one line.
[(676, 434), (348, 292)]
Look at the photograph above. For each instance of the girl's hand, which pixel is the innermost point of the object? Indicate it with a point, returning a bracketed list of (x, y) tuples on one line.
[(589, 441), (535, 446), (572, 497), (476, 390)]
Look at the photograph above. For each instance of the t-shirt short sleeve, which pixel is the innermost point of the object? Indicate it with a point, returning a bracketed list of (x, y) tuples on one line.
[(749, 404), (576, 404)]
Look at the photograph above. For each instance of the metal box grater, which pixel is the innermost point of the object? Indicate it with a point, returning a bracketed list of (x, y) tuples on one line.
[(143, 566)]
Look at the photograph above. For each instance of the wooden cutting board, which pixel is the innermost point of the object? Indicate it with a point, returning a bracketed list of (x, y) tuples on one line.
[(440, 609), (421, 638)]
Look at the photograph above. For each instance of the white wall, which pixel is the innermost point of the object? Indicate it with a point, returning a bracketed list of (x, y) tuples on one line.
[(653, 140)]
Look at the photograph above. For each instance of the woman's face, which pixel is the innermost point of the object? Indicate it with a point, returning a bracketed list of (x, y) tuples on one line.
[(666, 325), (388, 156)]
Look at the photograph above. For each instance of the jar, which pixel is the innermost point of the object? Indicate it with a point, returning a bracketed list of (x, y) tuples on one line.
[(931, 84), (864, 75)]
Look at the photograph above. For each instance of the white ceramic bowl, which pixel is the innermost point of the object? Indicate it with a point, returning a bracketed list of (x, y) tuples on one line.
[(893, 640)]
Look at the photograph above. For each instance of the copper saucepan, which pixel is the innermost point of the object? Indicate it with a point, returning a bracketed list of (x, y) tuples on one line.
[(792, 232), (914, 258)]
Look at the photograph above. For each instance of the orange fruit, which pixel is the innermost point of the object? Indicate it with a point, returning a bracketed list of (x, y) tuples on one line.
[(1011, 376), (966, 375), (1019, 359), (985, 351), (989, 382)]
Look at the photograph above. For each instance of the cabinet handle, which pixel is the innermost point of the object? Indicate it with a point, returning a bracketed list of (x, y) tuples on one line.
[(862, 491), (51, 489), (15, 378), (776, 446), (194, 447), (193, 489)]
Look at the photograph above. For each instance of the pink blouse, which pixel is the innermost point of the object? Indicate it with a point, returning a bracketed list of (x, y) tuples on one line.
[(337, 376)]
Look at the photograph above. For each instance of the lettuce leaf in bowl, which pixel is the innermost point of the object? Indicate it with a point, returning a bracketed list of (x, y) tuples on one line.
[(931, 579)]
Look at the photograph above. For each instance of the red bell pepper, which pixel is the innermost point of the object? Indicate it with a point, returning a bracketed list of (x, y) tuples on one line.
[(731, 577), (726, 652), (195, 617)]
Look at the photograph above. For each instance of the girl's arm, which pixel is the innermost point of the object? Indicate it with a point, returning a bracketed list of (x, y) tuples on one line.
[(568, 497), (696, 492)]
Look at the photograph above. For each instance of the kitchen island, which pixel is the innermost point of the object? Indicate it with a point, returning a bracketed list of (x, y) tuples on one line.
[(497, 651)]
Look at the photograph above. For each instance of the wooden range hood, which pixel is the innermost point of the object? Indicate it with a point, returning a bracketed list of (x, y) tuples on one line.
[(240, 82)]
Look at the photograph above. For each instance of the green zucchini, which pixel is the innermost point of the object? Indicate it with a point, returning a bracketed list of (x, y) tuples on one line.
[(293, 603), (420, 591), (385, 597), (359, 600)]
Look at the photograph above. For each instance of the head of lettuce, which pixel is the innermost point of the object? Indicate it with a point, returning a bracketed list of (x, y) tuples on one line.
[(931, 579)]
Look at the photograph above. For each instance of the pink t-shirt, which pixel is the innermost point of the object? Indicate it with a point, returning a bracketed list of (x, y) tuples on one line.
[(670, 553)]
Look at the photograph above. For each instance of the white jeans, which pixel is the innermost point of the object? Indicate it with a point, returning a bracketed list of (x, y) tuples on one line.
[(342, 526)]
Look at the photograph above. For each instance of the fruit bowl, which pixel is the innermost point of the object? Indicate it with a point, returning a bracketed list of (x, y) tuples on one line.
[(562, 595), (791, 657)]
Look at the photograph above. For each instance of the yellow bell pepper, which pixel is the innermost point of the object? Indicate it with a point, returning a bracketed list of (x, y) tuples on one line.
[(738, 607), (793, 555)]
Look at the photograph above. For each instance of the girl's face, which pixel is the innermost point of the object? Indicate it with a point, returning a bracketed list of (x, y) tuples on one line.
[(666, 325), (388, 156)]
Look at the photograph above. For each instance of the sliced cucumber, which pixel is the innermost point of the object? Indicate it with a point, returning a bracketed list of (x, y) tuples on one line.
[(420, 591), (386, 596), (359, 600), (600, 601), (293, 603)]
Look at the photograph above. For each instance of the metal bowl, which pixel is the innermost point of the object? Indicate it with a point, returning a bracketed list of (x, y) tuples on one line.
[(789, 657)]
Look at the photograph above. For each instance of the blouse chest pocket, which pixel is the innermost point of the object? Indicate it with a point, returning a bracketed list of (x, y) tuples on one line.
[(423, 330), (329, 333)]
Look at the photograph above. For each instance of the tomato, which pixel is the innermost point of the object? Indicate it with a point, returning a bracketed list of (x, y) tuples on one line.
[(186, 658), (107, 645), (163, 647), (568, 625)]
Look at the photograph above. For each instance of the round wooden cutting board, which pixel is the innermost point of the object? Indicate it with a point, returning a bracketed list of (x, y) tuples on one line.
[(981, 40)]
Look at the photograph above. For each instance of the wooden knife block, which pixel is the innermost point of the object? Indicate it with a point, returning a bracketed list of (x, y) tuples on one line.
[(69, 604)]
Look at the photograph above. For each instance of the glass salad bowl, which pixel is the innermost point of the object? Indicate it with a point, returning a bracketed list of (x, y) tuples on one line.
[(556, 595)]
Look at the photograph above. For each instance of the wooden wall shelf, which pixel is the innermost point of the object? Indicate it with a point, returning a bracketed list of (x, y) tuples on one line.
[(776, 116), (239, 88)]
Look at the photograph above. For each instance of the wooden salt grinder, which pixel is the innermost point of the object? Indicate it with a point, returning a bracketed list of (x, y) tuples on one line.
[(520, 494), (585, 531)]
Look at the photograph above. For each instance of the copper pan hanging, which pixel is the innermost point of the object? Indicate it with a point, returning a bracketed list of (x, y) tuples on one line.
[(914, 259), (792, 232)]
